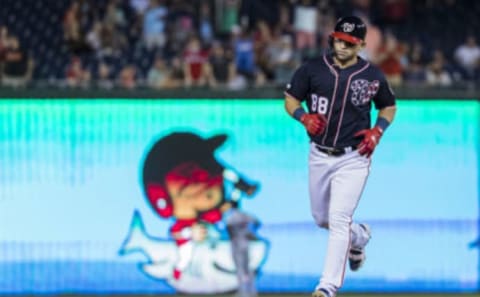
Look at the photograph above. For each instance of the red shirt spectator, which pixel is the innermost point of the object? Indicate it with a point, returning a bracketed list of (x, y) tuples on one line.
[(76, 75), (389, 59), (195, 60)]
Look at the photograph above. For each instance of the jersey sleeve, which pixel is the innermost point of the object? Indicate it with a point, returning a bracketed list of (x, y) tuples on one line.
[(385, 96), (299, 85)]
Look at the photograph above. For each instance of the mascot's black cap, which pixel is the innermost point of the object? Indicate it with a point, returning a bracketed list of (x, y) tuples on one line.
[(181, 147)]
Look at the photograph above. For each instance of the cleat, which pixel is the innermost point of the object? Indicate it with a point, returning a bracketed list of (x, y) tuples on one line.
[(321, 293), (356, 256)]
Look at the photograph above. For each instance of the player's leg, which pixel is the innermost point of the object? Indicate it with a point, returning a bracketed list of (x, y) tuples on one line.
[(319, 165), (360, 236), (346, 187)]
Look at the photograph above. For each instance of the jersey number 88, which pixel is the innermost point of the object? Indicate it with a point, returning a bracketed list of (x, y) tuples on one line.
[(319, 104)]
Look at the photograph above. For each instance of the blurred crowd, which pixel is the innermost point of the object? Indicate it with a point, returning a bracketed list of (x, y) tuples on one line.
[(233, 44)]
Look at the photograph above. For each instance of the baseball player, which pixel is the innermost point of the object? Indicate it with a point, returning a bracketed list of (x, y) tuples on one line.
[(339, 88)]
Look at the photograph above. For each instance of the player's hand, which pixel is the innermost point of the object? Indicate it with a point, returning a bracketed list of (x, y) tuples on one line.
[(371, 137), (314, 123)]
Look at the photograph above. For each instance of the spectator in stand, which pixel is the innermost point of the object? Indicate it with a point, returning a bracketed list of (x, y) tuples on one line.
[(109, 30), (181, 18), (139, 6), (327, 24), (284, 25), (362, 9), (227, 15), (373, 40), (94, 38), (282, 59), (87, 13), (136, 20), (414, 74), (72, 32), (112, 30), (113, 41), (205, 25), (394, 13), (154, 24), (76, 75), (244, 56), (104, 79), (71, 26), (305, 24), (467, 56), (437, 74), (3, 47), (3, 36), (195, 63), (158, 75), (115, 16), (390, 58), (262, 40), (127, 78), (176, 78), (222, 69), (18, 67)]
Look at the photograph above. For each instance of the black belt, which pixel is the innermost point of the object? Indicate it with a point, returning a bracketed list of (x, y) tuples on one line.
[(335, 151)]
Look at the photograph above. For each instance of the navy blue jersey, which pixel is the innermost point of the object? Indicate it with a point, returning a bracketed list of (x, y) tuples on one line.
[(344, 96)]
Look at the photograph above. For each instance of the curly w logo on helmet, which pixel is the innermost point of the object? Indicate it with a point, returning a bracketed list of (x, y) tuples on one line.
[(348, 27)]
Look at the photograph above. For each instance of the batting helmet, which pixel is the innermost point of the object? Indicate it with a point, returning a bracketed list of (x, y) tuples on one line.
[(351, 29)]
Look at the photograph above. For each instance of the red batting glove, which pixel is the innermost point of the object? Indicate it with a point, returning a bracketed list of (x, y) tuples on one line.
[(371, 137), (314, 123)]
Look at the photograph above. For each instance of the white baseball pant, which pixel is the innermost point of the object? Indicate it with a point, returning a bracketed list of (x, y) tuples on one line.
[(336, 184)]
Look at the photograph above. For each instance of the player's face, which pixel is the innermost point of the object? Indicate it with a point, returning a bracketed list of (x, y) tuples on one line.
[(344, 50)]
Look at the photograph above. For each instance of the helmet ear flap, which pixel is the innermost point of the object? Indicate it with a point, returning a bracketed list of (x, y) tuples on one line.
[(160, 200)]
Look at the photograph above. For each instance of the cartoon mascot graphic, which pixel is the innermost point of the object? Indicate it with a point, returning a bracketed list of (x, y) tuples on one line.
[(213, 246)]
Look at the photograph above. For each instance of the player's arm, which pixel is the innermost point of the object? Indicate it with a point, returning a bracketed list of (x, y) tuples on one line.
[(297, 90), (371, 137), (314, 123), (387, 113), (292, 104), (385, 103)]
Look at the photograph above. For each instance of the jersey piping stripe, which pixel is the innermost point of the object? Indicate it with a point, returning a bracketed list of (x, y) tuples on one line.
[(335, 73), (345, 101)]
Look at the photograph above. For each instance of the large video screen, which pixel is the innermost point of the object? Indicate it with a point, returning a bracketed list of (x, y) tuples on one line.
[(77, 215)]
